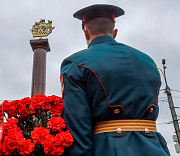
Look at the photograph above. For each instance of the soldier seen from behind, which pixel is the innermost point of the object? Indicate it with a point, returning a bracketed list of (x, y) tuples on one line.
[(110, 92)]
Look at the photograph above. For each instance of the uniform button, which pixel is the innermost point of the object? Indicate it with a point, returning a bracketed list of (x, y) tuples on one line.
[(151, 110), (146, 130), (116, 111), (119, 130)]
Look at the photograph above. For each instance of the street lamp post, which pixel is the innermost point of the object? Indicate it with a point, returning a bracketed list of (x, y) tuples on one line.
[(172, 108)]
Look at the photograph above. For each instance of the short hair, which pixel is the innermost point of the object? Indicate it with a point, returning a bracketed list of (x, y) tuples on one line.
[(100, 25)]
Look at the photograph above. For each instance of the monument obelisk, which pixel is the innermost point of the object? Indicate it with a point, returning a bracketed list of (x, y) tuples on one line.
[(40, 48)]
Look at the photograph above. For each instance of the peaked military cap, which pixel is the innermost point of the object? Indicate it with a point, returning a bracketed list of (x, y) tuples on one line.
[(98, 10)]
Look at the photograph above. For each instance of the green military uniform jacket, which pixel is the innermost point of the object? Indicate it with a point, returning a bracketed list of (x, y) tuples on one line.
[(108, 76)]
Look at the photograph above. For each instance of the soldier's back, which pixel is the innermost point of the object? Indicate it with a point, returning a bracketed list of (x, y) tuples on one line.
[(121, 83)]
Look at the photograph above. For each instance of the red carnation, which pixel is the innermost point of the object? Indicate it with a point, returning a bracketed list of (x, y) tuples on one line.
[(11, 108), (25, 147), (23, 112), (11, 142), (65, 138), (38, 101), (6, 105), (53, 147), (39, 134), (10, 125), (57, 106), (49, 145), (26, 101), (57, 109), (56, 123), (53, 98)]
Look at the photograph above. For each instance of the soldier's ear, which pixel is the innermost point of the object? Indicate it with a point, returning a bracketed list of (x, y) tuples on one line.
[(86, 32), (115, 33)]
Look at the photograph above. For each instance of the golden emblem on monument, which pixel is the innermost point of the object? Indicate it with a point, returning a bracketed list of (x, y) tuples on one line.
[(40, 29)]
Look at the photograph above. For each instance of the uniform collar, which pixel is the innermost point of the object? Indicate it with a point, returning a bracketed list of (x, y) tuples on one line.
[(101, 39)]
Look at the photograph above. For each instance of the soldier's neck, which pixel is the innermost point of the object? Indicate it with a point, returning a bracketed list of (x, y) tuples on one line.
[(91, 37)]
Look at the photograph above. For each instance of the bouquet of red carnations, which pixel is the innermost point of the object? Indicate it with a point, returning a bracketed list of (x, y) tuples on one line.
[(35, 127)]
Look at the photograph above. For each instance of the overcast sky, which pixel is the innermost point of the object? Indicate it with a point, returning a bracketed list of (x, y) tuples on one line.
[(152, 26)]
